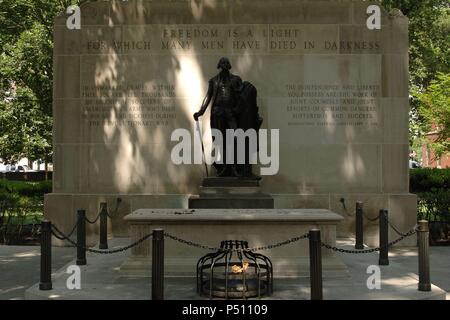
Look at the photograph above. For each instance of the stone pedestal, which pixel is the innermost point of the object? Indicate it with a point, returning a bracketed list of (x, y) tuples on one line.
[(211, 226), (230, 193)]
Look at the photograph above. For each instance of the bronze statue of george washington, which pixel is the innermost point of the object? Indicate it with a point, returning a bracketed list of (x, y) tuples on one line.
[(233, 107)]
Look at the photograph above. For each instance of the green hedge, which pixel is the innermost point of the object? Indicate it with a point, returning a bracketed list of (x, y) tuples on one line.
[(28, 189), (21, 206), (429, 180), (23, 193), (432, 187)]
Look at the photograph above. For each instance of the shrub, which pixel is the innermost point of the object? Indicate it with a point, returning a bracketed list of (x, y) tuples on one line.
[(21, 207), (434, 206), (429, 180), (432, 187), (23, 194), (24, 188)]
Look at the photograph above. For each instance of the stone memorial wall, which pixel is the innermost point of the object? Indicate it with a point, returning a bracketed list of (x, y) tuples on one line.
[(137, 70)]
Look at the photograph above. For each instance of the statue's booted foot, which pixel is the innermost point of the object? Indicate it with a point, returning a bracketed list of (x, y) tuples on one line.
[(223, 173), (253, 177)]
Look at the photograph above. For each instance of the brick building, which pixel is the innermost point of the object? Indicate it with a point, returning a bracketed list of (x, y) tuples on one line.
[(429, 158)]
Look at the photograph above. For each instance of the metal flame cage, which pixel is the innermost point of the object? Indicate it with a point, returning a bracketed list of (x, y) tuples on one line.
[(234, 272)]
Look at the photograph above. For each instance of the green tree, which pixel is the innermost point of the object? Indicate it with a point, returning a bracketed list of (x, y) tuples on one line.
[(435, 109), (26, 67), (429, 36), (26, 107), (26, 77), (429, 56)]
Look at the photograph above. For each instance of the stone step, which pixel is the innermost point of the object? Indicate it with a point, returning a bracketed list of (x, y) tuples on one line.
[(229, 182), (259, 201), (228, 191)]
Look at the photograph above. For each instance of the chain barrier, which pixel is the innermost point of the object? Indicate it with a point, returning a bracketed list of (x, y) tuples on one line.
[(71, 232), (371, 250), (111, 216), (371, 219), (268, 247), (74, 228), (279, 244), (94, 221), (395, 229), (389, 223), (61, 236), (118, 202), (190, 243)]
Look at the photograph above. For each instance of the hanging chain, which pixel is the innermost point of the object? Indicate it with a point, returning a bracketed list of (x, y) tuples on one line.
[(388, 221), (74, 228), (190, 243), (371, 250), (371, 219), (395, 229), (94, 221), (59, 235), (279, 244), (111, 216), (71, 232), (115, 210), (268, 247)]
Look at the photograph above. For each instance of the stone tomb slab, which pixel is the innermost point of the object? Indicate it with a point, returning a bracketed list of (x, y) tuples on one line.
[(260, 227)]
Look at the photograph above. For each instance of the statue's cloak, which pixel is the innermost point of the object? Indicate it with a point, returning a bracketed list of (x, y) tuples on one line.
[(247, 111)]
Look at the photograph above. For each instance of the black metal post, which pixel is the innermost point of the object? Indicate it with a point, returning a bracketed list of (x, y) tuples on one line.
[(158, 264), (103, 226), (46, 256), (359, 226), (424, 256), (315, 264), (384, 238), (81, 238)]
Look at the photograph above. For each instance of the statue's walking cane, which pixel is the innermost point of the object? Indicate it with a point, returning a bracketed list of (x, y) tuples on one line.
[(203, 148)]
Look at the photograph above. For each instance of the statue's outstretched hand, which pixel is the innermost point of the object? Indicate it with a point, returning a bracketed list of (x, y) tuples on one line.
[(197, 115)]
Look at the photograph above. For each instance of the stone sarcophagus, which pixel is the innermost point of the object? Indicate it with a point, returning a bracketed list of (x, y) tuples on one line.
[(209, 227)]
